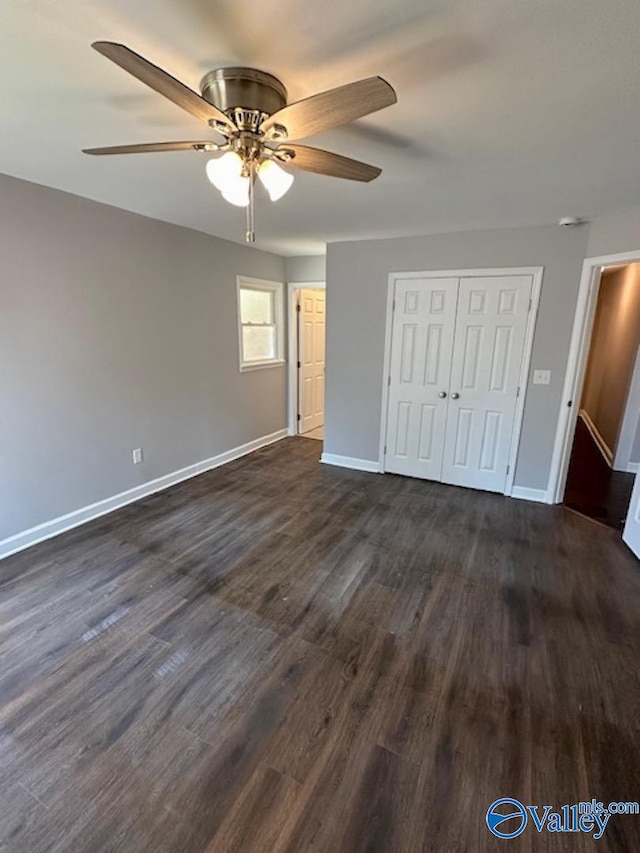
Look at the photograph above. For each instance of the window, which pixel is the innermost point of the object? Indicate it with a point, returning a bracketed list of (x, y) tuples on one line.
[(261, 323)]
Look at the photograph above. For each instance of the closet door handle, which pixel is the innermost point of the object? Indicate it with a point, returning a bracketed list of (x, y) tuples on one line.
[(455, 396), (442, 395)]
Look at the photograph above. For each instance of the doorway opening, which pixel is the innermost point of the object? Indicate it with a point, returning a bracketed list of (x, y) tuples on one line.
[(605, 451), (307, 359)]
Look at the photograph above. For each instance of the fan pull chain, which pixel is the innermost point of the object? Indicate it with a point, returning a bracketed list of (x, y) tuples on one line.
[(251, 234)]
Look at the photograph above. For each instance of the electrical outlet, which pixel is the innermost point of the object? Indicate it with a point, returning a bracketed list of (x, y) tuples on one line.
[(541, 377), (137, 456)]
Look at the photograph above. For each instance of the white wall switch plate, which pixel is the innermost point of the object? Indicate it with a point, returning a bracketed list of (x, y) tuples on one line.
[(137, 456), (541, 377)]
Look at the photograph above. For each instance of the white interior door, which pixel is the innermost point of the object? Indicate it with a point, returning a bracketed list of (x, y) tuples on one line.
[(487, 356), (311, 354), (631, 534), (421, 345)]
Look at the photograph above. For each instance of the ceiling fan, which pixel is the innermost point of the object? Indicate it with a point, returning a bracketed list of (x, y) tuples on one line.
[(249, 109)]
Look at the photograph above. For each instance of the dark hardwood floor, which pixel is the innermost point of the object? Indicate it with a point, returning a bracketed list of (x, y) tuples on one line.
[(281, 656), (593, 488)]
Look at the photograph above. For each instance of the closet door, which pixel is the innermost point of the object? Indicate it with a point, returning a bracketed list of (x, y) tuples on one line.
[(487, 356), (421, 348)]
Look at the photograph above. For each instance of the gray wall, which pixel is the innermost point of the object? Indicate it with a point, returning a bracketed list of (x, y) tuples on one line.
[(613, 351), (635, 450), (613, 234), (357, 276), (305, 269), (628, 448), (116, 332)]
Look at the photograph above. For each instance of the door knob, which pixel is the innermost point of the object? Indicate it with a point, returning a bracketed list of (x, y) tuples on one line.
[(442, 394), (455, 396)]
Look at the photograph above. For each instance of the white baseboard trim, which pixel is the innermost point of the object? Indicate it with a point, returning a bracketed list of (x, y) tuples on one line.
[(523, 493), (627, 468), (351, 462), (603, 447), (56, 526)]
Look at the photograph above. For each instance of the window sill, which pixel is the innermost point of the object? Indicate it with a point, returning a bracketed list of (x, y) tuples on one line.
[(262, 365)]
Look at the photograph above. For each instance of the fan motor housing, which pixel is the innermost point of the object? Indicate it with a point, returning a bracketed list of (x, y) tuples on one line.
[(245, 94)]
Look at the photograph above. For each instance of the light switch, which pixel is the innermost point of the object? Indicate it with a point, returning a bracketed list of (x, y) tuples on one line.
[(541, 377)]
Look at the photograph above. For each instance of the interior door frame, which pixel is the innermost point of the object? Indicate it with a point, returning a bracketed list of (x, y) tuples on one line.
[(536, 288), (576, 366), (292, 348)]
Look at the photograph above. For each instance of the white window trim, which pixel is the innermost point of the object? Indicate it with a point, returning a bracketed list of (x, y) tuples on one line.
[(277, 288)]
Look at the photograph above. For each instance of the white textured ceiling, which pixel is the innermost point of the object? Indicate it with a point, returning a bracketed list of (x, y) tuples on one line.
[(510, 112)]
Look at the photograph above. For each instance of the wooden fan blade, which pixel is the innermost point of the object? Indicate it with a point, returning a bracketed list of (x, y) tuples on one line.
[(149, 147), (327, 163), (332, 108), (163, 83)]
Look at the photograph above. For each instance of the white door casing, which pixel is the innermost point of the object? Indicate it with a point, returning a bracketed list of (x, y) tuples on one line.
[(631, 533), (311, 357), (576, 366), (488, 347), (420, 365)]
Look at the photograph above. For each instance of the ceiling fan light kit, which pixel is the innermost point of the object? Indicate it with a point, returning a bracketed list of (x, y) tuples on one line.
[(249, 109), (275, 180), (225, 170), (237, 192)]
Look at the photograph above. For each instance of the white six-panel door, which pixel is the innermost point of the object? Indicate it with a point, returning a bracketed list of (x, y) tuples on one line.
[(422, 343), (311, 349), (456, 353), (487, 354)]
